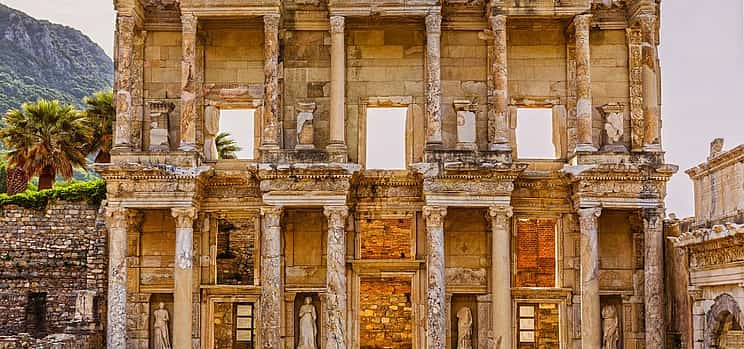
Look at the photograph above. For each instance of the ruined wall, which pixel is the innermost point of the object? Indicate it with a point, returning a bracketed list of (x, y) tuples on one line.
[(56, 251), (236, 251)]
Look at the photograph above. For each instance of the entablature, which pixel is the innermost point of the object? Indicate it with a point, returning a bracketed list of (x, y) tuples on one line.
[(383, 8), (538, 7)]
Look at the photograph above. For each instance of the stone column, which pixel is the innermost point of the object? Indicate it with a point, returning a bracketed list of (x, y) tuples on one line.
[(591, 316), (125, 32), (117, 222), (653, 223), (272, 126), (498, 130), (582, 25), (433, 80), (189, 88), (271, 277), (436, 308), (650, 74), (338, 84), (183, 277), (335, 305), (501, 275)]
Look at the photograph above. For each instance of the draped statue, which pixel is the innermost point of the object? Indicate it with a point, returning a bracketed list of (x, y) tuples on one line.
[(161, 335), (464, 328), (610, 323), (308, 329)]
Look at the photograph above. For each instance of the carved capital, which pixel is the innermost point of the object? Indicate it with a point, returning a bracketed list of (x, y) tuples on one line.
[(189, 22), (338, 24), (116, 217), (433, 23), (588, 217), (271, 215), (184, 217), (271, 23), (647, 22), (500, 211), (498, 22), (336, 216), (582, 23), (653, 219), (434, 215)]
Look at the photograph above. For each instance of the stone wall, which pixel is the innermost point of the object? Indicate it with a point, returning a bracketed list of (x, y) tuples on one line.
[(386, 239), (385, 315), (536, 252), (51, 255)]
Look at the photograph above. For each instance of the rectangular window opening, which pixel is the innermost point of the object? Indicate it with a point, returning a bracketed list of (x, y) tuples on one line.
[(236, 138), (535, 133), (386, 138)]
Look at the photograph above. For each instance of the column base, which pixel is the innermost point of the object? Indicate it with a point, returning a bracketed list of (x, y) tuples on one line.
[(585, 148), (336, 147), (499, 147), (652, 148), (187, 147), (467, 146)]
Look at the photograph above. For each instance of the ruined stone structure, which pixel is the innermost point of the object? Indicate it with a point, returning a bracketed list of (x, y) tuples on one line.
[(710, 247), (470, 237)]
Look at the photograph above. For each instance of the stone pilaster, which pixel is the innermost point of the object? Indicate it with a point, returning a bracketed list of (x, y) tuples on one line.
[(125, 47), (582, 25), (271, 277), (501, 275), (272, 125), (436, 308), (183, 276), (189, 82), (650, 78), (591, 318), (117, 222), (335, 304), (653, 223), (338, 84), (433, 80), (498, 129)]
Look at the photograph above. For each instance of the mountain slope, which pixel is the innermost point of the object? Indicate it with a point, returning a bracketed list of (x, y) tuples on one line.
[(41, 59)]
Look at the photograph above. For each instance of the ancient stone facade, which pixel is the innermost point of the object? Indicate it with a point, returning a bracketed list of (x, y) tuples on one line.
[(469, 246), (52, 276), (709, 255)]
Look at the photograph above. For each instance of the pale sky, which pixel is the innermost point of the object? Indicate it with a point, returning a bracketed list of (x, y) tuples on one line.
[(702, 57)]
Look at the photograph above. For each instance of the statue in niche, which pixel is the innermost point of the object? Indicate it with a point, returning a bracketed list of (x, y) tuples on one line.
[(464, 328), (211, 128), (305, 128), (161, 335), (610, 335), (614, 127), (308, 329)]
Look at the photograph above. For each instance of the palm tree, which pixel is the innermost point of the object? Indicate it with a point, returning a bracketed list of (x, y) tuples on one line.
[(101, 115), (46, 139), (226, 147)]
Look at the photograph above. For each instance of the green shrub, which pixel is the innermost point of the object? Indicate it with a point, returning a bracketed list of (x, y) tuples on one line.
[(92, 192)]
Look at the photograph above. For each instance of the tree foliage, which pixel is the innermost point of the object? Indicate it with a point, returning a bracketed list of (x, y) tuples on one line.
[(93, 192), (226, 146), (100, 115)]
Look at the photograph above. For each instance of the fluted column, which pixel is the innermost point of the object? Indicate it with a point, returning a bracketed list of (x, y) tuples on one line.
[(582, 25), (125, 42), (436, 321), (338, 84), (272, 113), (117, 223), (271, 277), (183, 277), (498, 129), (189, 88), (501, 306), (433, 80), (335, 304), (653, 223), (650, 74), (591, 318)]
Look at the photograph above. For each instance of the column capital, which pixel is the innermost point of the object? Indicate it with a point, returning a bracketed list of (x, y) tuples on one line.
[(116, 217), (590, 212), (271, 22), (189, 22), (433, 23), (434, 215), (336, 215), (271, 210), (338, 24), (499, 210), (582, 22), (647, 22), (184, 217), (498, 22)]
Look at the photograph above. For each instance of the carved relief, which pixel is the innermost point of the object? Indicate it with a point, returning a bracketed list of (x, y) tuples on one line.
[(305, 126), (464, 328), (211, 129), (637, 123), (610, 327), (614, 127)]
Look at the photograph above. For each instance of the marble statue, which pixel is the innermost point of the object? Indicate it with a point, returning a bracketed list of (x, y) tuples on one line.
[(464, 328), (211, 128), (308, 329), (610, 324), (161, 336), (614, 127), (716, 147)]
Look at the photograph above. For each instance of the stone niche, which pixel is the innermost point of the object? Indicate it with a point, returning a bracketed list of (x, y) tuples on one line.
[(236, 248), (385, 313), (466, 124), (157, 249), (616, 251), (612, 321), (299, 301), (305, 247), (466, 248), (160, 125), (613, 115), (464, 310), (155, 300), (305, 128)]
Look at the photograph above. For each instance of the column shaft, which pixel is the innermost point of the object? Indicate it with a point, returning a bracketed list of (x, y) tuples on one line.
[(650, 74), (338, 83), (654, 278), (271, 113), (498, 133), (436, 308), (116, 222), (501, 275), (125, 40), (433, 80), (183, 285), (189, 88), (591, 317), (271, 277), (582, 24), (335, 305)]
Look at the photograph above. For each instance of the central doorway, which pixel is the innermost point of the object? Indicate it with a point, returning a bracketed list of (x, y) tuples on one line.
[(385, 313)]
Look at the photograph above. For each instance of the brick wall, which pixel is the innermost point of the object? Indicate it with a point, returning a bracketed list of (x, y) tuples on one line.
[(57, 251), (536, 252), (386, 238), (385, 314), (236, 245)]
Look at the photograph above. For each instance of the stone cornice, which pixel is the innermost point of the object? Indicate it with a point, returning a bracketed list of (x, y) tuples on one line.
[(723, 160), (702, 236)]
